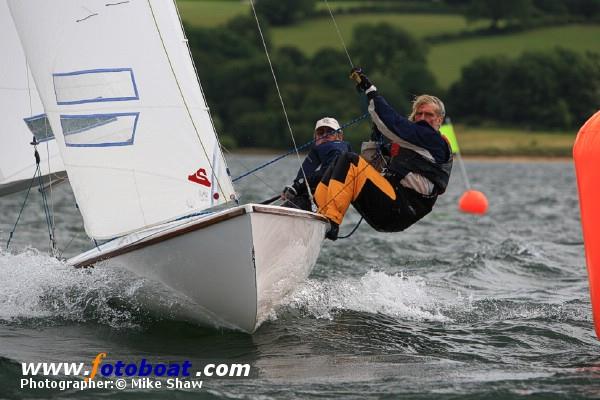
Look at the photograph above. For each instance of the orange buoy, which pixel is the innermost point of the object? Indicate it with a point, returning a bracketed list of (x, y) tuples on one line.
[(473, 202), (586, 153)]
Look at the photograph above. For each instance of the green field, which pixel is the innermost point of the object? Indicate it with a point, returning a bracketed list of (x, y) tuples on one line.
[(446, 60), (216, 12), (513, 142), (210, 13), (336, 5), (309, 36)]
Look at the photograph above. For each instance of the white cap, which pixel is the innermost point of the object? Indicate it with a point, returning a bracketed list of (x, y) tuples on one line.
[(328, 121)]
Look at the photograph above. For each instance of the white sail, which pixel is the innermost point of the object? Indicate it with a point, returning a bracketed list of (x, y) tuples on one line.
[(22, 116), (121, 93)]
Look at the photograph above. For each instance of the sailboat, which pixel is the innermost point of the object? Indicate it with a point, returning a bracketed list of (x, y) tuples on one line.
[(122, 96), (23, 118)]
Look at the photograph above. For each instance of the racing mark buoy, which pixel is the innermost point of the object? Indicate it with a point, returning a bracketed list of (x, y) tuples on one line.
[(586, 152), (473, 202)]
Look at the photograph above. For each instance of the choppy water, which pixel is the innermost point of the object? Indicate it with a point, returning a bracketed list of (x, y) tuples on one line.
[(456, 307)]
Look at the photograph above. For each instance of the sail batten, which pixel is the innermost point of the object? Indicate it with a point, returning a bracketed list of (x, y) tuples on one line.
[(121, 93)]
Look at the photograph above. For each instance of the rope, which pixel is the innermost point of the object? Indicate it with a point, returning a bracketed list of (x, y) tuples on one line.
[(246, 168), (339, 34), (10, 236), (353, 122), (353, 230), (262, 38), (47, 212), (461, 164), (463, 171), (50, 182), (70, 241)]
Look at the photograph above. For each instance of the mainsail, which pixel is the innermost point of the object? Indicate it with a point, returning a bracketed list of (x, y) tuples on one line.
[(121, 93), (22, 117)]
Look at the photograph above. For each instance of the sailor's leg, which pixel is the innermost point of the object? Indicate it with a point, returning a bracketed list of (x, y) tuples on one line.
[(320, 194), (349, 175)]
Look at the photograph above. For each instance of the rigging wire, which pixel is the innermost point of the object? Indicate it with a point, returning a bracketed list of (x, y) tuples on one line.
[(10, 235), (179, 87), (287, 120), (339, 34), (50, 182), (296, 148), (210, 117), (247, 168), (344, 126), (49, 211), (284, 109)]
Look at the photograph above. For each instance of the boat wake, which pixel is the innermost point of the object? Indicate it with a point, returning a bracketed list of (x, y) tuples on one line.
[(36, 289), (405, 297), (413, 298)]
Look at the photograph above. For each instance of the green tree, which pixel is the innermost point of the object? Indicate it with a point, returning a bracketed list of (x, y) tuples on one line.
[(395, 61), (383, 48), (499, 10), (556, 89), (279, 12), (241, 93), (476, 95), (586, 8)]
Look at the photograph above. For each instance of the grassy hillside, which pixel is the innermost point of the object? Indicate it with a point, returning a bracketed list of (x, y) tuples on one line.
[(446, 60), (513, 142), (210, 13), (311, 35), (216, 12)]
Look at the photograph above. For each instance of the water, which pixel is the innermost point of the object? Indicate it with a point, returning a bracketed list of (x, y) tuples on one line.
[(458, 306)]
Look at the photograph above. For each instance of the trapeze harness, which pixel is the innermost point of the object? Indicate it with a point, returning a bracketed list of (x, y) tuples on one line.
[(414, 204)]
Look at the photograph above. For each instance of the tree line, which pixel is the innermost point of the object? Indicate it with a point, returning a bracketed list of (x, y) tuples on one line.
[(558, 89), (278, 12)]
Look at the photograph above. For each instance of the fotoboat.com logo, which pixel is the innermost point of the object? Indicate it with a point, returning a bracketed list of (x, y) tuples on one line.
[(121, 375)]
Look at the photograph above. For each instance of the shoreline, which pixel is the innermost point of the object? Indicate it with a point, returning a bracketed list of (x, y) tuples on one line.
[(470, 157), (517, 158)]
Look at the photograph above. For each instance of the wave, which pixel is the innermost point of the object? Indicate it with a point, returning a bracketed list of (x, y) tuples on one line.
[(38, 289), (413, 298), (376, 292)]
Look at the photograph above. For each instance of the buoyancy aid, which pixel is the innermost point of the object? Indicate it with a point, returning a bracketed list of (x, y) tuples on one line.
[(405, 160)]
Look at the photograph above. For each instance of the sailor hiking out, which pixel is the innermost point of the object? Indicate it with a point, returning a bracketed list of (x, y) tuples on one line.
[(416, 171), (328, 145)]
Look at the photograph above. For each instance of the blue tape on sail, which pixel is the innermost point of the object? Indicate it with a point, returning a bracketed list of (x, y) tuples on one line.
[(99, 130), (95, 85), (40, 127)]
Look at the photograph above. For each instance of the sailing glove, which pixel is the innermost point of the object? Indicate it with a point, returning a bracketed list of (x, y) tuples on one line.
[(362, 81), (289, 193)]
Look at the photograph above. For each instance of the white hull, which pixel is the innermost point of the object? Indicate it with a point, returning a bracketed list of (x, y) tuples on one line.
[(235, 266)]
